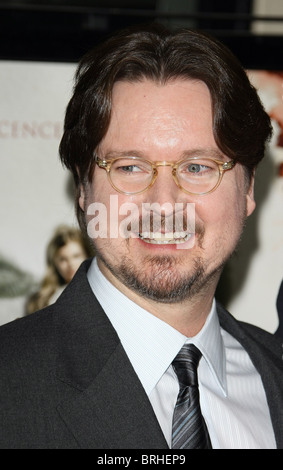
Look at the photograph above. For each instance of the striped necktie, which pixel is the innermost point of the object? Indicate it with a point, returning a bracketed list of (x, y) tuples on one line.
[(189, 429)]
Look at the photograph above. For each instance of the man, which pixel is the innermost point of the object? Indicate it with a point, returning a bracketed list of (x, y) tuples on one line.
[(159, 123)]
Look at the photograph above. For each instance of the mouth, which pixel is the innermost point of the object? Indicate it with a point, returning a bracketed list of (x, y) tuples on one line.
[(170, 238)]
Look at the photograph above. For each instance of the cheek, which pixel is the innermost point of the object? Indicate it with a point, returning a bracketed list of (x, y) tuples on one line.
[(105, 210), (77, 261), (61, 267), (223, 219)]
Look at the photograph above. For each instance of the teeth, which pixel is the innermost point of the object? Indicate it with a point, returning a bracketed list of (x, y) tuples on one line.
[(165, 238)]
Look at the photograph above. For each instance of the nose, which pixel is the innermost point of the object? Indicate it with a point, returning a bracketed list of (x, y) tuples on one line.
[(166, 205), (165, 208), (164, 191)]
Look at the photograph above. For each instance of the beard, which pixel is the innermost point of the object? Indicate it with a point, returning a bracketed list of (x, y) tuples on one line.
[(164, 283), (160, 279)]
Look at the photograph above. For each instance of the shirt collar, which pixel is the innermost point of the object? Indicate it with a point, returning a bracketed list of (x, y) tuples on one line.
[(149, 340)]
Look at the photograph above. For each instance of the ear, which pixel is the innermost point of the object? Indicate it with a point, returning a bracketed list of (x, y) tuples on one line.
[(81, 191), (82, 197), (250, 196)]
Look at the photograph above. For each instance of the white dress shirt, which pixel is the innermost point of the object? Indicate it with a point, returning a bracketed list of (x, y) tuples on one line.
[(232, 396)]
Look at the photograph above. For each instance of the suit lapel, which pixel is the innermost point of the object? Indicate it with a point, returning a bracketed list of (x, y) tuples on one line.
[(114, 411), (107, 406)]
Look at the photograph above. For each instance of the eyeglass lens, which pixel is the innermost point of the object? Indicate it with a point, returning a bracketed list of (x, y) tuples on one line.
[(133, 175)]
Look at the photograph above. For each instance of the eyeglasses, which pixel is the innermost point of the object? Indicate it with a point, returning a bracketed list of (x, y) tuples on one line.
[(134, 175)]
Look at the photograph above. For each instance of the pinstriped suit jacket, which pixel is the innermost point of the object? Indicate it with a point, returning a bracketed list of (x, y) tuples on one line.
[(66, 382)]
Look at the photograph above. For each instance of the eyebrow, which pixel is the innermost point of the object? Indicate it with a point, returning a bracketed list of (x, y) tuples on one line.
[(197, 152), (204, 152), (125, 153)]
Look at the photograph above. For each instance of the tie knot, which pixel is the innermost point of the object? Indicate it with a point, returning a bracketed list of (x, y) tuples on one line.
[(185, 365)]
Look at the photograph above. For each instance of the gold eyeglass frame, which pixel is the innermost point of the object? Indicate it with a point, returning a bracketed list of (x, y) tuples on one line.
[(222, 167)]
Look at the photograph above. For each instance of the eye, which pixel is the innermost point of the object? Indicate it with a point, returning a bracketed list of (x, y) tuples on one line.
[(129, 168), (196, 168), (199, 169)]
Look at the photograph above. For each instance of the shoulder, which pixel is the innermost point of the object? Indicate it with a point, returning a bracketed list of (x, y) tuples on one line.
[(39, 329), (27, 340), (254, 339)]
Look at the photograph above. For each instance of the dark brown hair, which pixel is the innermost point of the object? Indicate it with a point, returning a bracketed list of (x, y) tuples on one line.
[(241, 126)]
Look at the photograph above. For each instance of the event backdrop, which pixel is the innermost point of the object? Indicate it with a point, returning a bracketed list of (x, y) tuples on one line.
[(36, 193), (34, 188)]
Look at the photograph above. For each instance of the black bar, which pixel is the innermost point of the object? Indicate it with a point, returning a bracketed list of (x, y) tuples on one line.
[(138, 12)]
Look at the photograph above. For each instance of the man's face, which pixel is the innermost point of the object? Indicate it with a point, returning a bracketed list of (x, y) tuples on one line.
[(157, 123)]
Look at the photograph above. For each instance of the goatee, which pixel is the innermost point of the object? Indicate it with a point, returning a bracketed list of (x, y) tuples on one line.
[(161, 279)]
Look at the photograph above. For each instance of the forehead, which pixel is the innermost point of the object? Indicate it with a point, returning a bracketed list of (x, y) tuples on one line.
[(145, 110), (70, 247), (176, 96)]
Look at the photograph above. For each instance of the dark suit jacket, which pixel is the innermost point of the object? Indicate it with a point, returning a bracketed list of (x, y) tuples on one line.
[(66, 381), (279, 305)]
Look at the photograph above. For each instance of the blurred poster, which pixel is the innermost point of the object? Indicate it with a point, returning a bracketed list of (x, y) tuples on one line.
[(253, 277), (34, 196)]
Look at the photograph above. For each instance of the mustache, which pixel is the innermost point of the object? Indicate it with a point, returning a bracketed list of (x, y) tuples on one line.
[(163, 223), (151, 222)]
